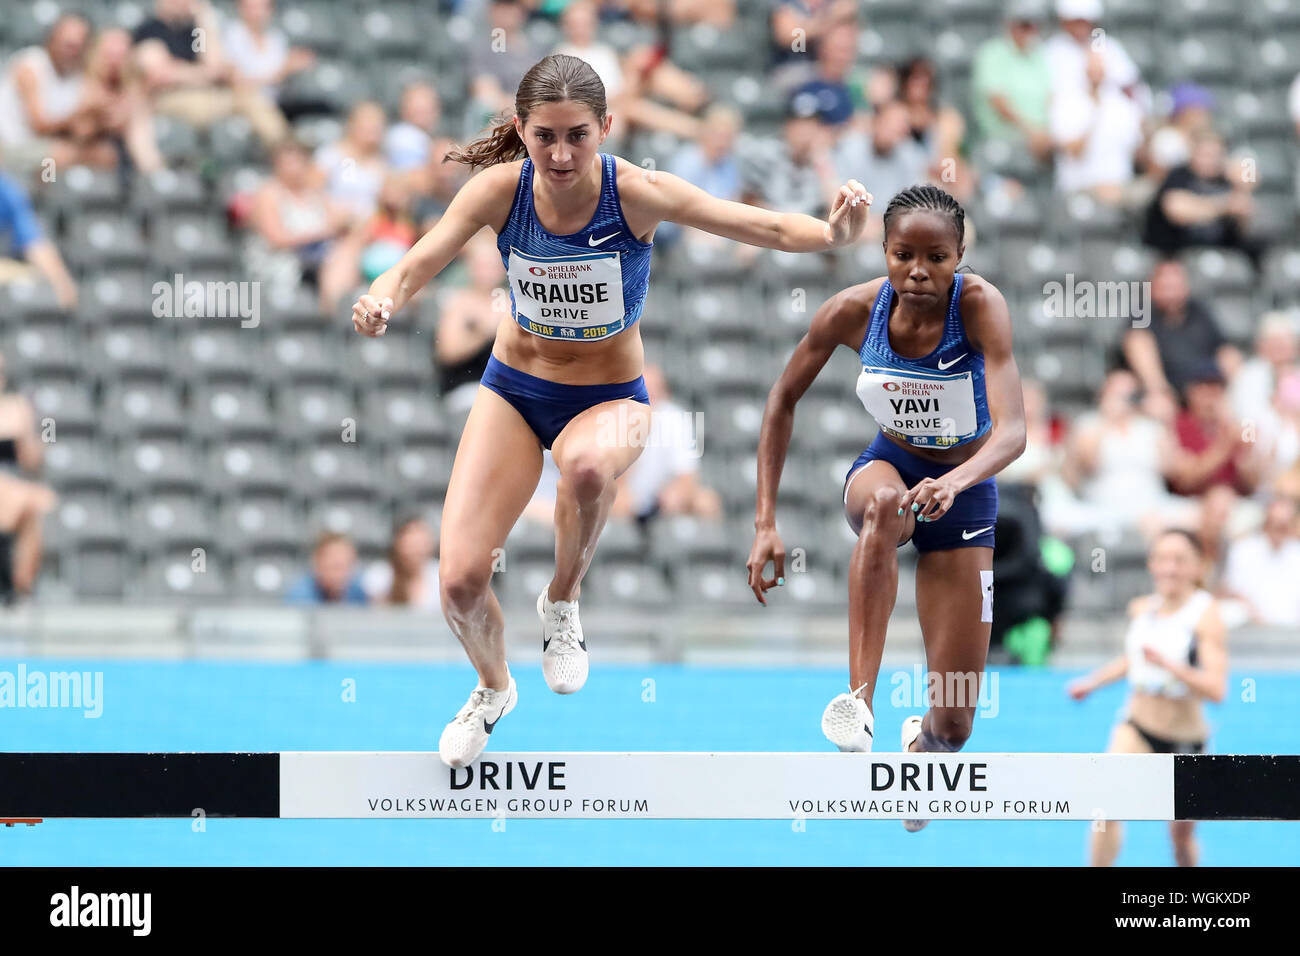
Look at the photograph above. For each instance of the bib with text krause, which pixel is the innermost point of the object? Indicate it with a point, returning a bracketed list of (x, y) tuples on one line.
[(922, 409), (568, 298)]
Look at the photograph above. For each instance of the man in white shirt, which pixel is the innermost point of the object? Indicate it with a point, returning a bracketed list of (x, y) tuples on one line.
[(1067, 52), (1097, 131), (1263, 569)]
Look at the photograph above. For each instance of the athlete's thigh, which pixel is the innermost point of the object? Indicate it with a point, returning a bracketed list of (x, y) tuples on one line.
[(612, 433), (498, 463), (954, 604), (19, 498), (874, 474)]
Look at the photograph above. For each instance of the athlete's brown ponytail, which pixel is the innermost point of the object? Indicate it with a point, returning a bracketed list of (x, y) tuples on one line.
[(552, 79)]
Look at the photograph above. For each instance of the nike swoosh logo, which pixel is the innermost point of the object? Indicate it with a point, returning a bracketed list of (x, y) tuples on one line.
[(943, 365), (489, 727), (593, 241), (967, 535)]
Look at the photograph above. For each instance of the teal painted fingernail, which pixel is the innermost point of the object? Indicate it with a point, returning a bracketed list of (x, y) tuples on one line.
[(780, 581), (915, 506), (900, 511)]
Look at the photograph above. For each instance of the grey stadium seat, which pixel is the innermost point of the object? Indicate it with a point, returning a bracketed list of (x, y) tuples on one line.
[(241, 468), (230, 410), (144, 409), (418, 472), (309, 412), (154, 466)]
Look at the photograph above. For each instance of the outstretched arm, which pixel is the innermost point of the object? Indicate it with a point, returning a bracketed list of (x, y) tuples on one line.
[(826, 331), (676, 200), (477, 204)]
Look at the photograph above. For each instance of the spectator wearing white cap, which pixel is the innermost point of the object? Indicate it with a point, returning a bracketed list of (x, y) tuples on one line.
[(1068, 50)]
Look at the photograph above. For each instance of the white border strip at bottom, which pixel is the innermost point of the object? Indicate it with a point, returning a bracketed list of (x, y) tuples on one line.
[(729, 786)]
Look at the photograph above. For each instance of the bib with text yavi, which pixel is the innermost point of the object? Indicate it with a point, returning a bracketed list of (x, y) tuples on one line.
[(925, 410), (569, 298)]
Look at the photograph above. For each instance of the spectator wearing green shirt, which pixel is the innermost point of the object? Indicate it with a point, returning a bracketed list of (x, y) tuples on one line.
[(1011, 83)]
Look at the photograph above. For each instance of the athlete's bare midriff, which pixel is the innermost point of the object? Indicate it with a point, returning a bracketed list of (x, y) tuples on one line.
[(615, 360)]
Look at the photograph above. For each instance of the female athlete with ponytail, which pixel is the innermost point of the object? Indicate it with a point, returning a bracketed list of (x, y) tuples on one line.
[(574, 228), (939, 378)]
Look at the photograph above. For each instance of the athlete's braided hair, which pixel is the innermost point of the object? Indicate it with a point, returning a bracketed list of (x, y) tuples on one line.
[(931, 199)]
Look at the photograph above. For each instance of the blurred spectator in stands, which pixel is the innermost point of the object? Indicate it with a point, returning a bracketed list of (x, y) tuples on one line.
[(1293, 107), (333, 578), (435, 183), (1279, 435), (1068, 52), (1207, 201), (887, 158), (710, 162), (1191, 112), (115, 103), (179, 54), (23, 503), (299, 233), (409, 578), (353, 168), (262, 59), (468, 316), (797, 30), (1040, 460), (500, 53), (1182, 333), (1286, 401), (1262, 571), (580, 37), (408, 141), (935, 127), (1096, 130), (665, 479), (634, 84), (657, 13), (24, 250), (1011, 83), (1214, 457), (796, 173), (829, 73), (1277, 347), (390, 232), (1114, 462), (42, 114)]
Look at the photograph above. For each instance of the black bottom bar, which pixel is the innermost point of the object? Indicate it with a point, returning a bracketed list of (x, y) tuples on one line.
[(1236, 787), (139, 785)]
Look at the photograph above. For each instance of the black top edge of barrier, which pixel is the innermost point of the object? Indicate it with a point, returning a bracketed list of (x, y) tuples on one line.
[(1236, 787), (139, 784)]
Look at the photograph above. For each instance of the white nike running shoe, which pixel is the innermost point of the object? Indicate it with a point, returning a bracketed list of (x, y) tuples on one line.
[(465, 737), (912, 730), (564, 652), (848, 724)]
